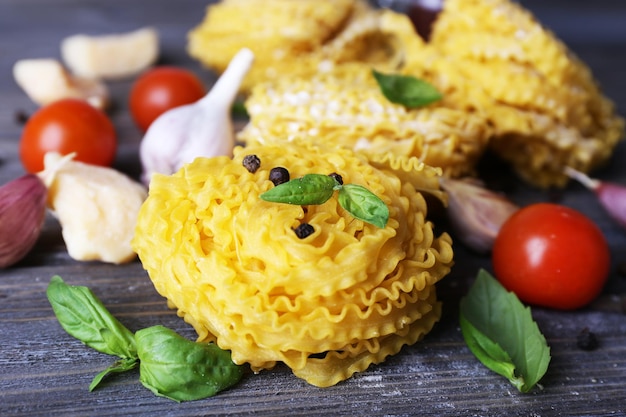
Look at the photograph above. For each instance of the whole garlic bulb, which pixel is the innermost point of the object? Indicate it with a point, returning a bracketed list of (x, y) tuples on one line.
[(203, 128)]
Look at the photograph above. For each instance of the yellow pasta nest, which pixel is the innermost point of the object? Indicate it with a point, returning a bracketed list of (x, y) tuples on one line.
[(372, 37), (281, 33), (327, 305), (297, 37), (345, 107), (509, 84), (546, 109)]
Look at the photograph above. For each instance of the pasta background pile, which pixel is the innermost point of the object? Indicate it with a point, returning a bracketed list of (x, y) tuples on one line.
[(341, 104), (327, 305), (346, 108), (275, 30), (546, 109), (509, 85)]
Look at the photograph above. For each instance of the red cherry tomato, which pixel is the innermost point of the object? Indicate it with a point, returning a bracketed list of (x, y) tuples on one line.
[(551, 256), (66, 126), (161, 89)]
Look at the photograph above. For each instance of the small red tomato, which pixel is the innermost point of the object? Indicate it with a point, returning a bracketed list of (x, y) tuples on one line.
[(161, 89), (66, 126), (551, 256)]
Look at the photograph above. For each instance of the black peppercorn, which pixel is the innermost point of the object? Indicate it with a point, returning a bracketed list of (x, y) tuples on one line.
[(279, 175), (21, 117), (251, 163), (336, 177), (586, 340), (304, 230)]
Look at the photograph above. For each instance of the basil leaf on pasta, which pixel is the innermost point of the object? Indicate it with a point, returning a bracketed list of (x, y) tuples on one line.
[(364, 205), (310, 189), (406, 90)]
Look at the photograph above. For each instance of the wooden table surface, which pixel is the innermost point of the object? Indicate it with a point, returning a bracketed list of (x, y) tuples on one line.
[(43, 371)]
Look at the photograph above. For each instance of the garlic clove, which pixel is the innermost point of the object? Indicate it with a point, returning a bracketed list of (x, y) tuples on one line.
[(201, 129), (22, 213), (475, 213), (212, 132)]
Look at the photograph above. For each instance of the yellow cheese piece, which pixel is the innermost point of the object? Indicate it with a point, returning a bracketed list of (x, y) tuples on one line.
[(45, 80), (96, 206), (111, 56)]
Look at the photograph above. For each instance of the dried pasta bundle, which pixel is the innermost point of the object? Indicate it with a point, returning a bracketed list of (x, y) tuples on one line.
[(345, 107), (327, 305), (283, 34), (509, 84), (289, 41), (370, 37), (547, 110)]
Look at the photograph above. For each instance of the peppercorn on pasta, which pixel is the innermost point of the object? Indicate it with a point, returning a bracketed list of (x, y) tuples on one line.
[(327, 305)]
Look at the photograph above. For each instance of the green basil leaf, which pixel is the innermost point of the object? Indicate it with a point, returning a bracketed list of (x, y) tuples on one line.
[(238, 110), (176, 368), (120, 366), (84, 317), (406, 90), (310, 189), (501, 333), (364, 205), (490, 353)]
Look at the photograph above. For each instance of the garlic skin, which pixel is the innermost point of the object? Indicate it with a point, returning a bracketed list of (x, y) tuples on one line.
[(96, 206), (475, 213), (610, 195), (22, 214), (203, 128)]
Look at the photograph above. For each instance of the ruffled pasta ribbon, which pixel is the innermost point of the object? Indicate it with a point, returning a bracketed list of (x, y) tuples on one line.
[(327, 305)]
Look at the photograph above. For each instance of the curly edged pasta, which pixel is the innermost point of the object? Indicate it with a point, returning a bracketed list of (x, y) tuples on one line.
[(510, 85), (299, 37), (546, 108), (346, 108), (283, 34), (327, 305), (375, 37)]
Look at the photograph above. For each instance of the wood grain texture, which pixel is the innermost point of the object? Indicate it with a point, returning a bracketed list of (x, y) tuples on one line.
[(43, 371)]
